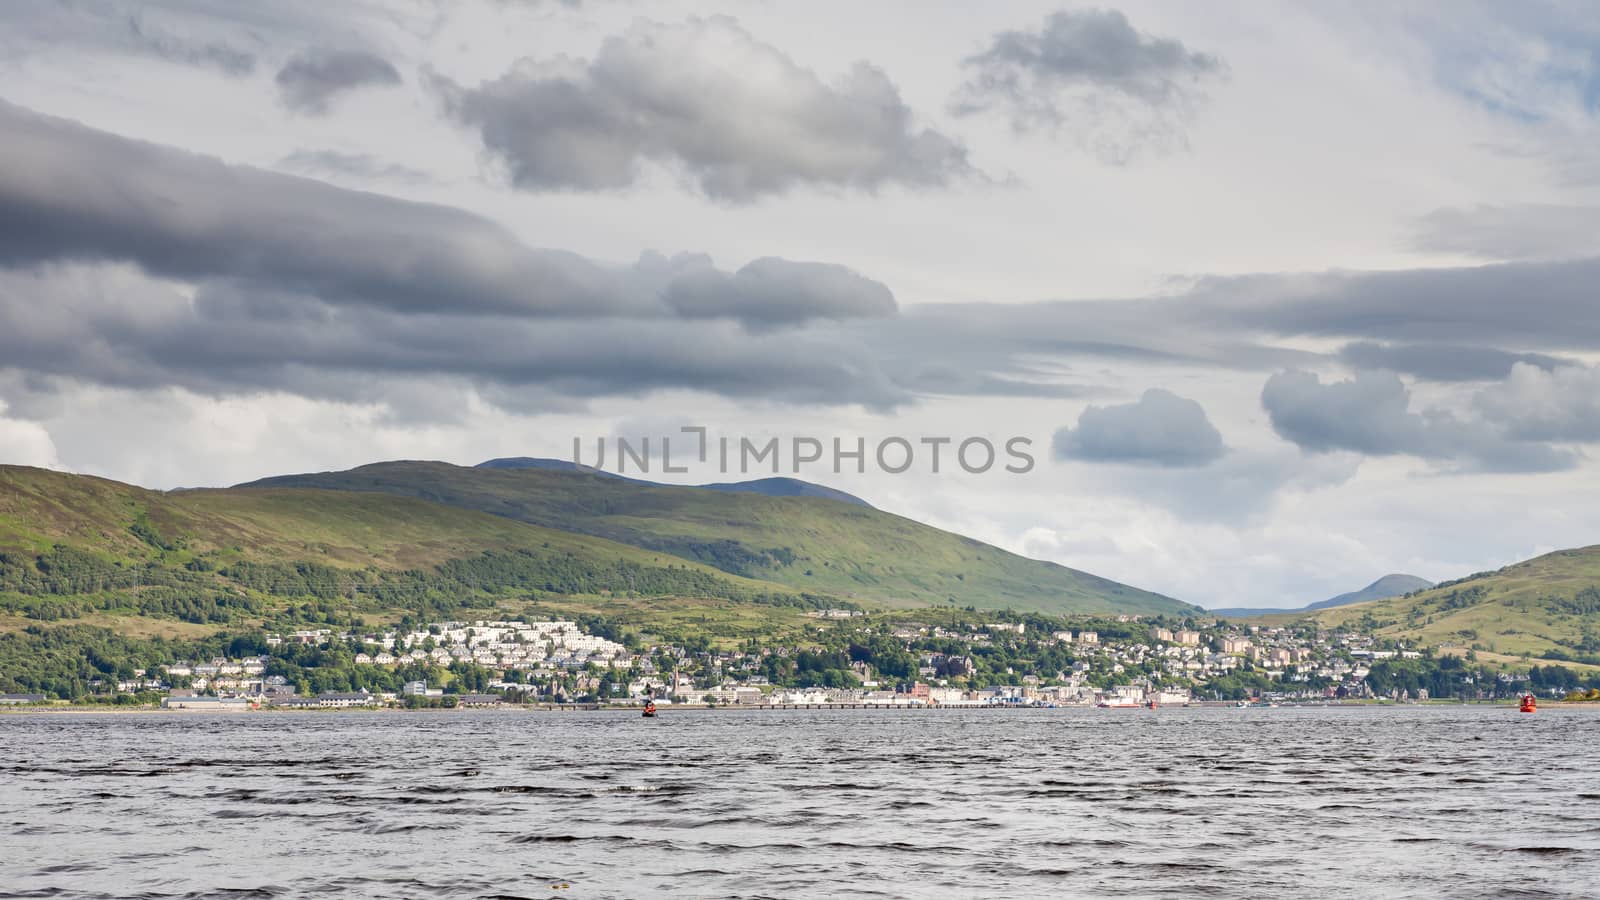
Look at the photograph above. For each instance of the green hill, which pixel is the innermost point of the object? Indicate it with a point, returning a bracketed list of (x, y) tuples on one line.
[(808, 543), (1545, 607), (79, 548)]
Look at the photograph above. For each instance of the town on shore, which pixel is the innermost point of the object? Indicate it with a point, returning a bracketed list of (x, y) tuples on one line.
[(850, 659)]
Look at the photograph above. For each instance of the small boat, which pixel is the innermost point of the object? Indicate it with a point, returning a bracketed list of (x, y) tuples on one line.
[(650, 709), (1529, 704)]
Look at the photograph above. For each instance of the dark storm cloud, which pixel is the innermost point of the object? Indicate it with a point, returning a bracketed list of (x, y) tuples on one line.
[(1371, 414), (1160, 429), (736, 117), (1442, 362), (1090, 73), (312, 79)]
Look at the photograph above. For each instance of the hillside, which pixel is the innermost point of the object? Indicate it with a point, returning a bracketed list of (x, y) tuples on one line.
[(786, 487), (1387, 586), (808, 543), (771, 487), (1544, 606), (75, 547)]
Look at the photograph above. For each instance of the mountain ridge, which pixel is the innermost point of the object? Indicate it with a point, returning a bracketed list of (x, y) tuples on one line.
[(807, 543), (777, 486), (79, 548), (1391, 585)]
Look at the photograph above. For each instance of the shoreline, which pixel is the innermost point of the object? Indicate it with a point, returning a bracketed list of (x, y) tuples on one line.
[(79, 710)]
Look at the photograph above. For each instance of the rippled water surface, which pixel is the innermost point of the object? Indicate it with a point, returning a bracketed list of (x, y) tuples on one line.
[(1440, 802)]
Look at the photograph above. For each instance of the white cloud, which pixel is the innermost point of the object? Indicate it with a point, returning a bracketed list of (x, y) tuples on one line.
[(1545, 405), (740, 118)]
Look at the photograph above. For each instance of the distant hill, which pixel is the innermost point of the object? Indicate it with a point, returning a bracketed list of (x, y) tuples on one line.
[(1387, 586), (769, 487), (1548, 606), (806, 542)]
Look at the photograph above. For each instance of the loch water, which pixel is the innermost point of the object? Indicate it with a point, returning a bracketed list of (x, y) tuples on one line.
[(1290, 802)]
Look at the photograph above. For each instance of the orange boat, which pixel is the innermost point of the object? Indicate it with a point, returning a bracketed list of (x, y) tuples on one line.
[(1529, 704)]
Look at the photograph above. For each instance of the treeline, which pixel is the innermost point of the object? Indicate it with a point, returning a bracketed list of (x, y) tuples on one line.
[(1585, 603), (726, 554), (75, 661), (68, 583), (68, 571), (185, 605)]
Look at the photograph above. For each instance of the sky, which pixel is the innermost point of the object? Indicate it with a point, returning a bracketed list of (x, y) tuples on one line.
[(1272, 299)]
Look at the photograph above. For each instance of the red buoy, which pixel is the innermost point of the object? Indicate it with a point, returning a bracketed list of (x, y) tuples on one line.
[(1529, 704)]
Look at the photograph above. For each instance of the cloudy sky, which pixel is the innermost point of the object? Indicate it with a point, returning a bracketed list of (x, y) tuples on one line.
[(1284, 297)]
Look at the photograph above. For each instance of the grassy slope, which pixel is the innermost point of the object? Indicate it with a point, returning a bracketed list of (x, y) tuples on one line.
[(1514, 616), (850, 551), (39, 509)]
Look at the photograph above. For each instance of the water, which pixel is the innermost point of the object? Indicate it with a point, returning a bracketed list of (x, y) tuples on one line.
[(1397, 802)]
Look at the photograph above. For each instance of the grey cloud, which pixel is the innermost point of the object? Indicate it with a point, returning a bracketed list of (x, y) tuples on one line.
[(220, 56), (1165, 331), (291, 284), (1451, 324), (736, 117), (257, 245), (116, 327), (1442, 362), (1161, 429), (1117, 90), (1538, 405), (189, 35), (1240, 487), (1536, 306), (1482, 315), (312, 79), (364, 166), (936, 378), (72, 193), (1530, 231), (775, 291), (1371, 414)]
